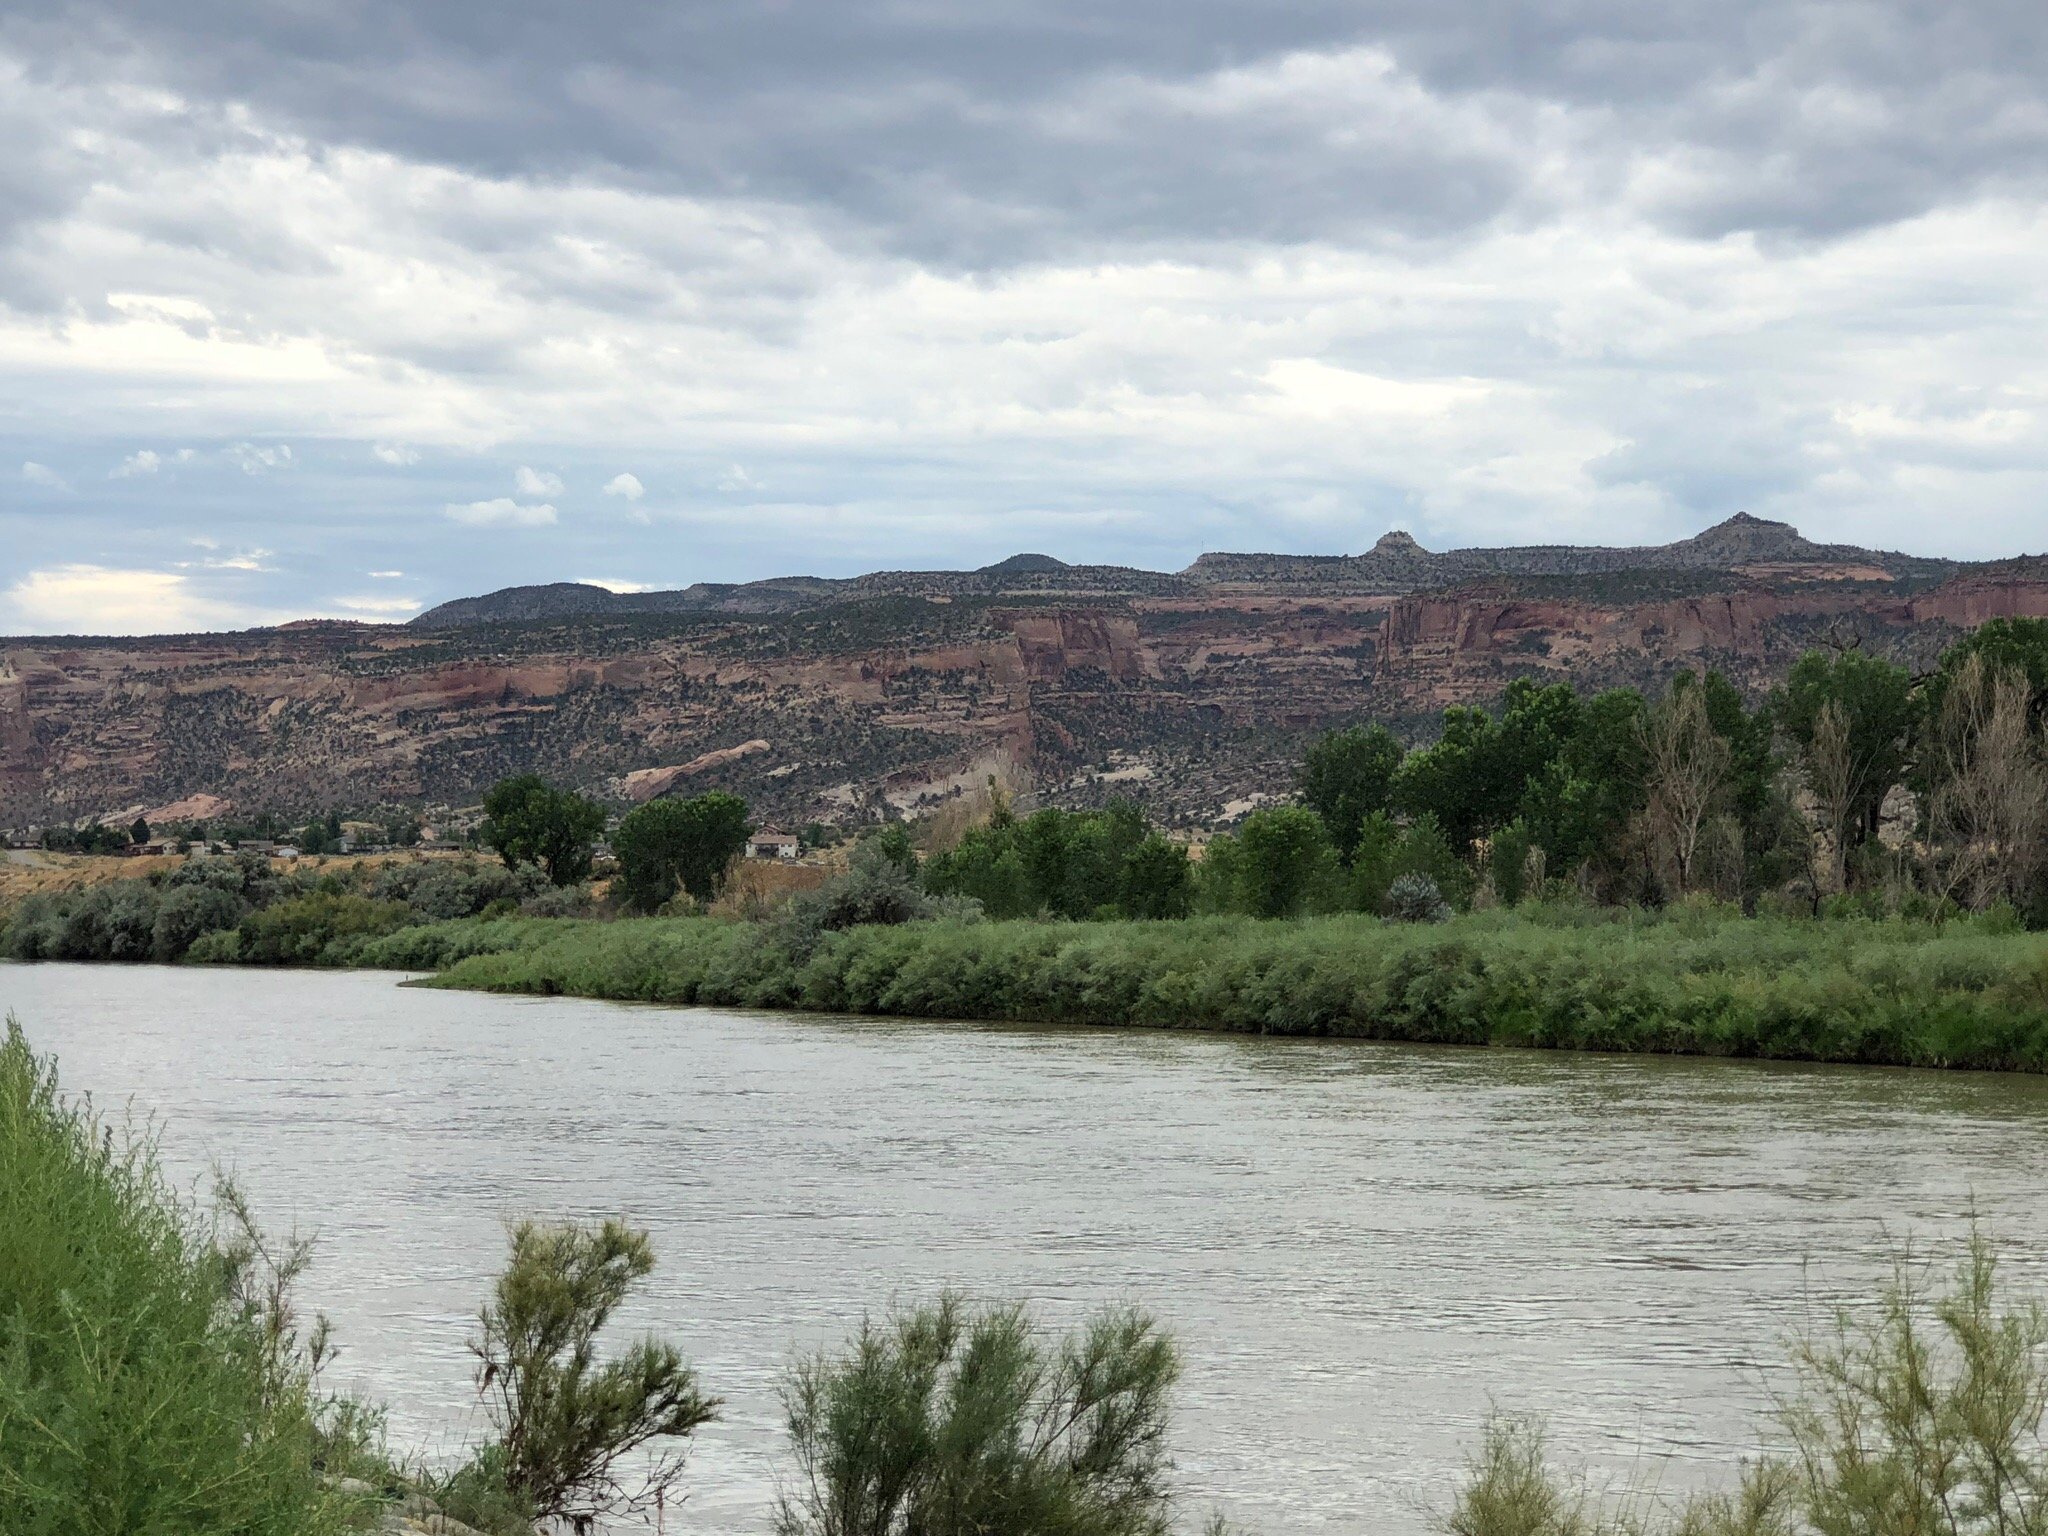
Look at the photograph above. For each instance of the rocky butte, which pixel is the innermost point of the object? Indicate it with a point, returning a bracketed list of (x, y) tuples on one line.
[(833, 698)]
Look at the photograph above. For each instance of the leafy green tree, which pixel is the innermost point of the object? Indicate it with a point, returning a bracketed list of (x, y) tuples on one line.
[(1424, 850), (892, 842), (1507, 861), (1475, 777), (1072, 864), (670, 845), (321, 836), (1285, 861), (1453, 779), (2019, 645), (1157, 880), (1581, 804), (1372, 862), (530, 821), (1348, 776), (1878, 713), (1099, 845), (138, 832), (986, 866)]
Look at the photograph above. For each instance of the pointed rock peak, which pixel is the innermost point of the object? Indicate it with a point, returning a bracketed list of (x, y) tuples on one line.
[(1398, 541)]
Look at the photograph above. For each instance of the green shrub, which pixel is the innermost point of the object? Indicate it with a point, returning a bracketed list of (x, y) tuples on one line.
[(565, 1422), (952, 1421), (219, 948), (1702, 981), (188, 913), (1922, 1414), (301, 930), (140, 1387)]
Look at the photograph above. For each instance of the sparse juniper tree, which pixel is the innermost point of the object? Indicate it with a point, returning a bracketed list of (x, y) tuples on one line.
[(530, 821), (666, 846)]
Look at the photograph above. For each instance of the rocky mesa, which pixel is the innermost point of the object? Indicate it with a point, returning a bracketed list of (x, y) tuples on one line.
[(841, 699)]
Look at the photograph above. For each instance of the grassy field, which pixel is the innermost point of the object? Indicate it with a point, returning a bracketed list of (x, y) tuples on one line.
[(1955, 995)]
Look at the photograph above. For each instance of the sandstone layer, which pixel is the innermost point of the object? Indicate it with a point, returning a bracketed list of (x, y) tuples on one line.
[(1187, 692)]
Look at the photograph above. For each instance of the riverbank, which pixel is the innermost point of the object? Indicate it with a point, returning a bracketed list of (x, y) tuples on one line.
[(1904, 994)]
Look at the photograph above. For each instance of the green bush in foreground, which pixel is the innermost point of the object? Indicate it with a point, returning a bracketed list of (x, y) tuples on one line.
[(140, 1390), (1923, 1418), (565, 1421), (948, 1420), (1701, 981)]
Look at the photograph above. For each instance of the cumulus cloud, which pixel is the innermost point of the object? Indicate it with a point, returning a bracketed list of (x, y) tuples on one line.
[(144, 461), (397, 455), (372, 606), (245, 560), (43, 475), (626, 485), (537, 482), (104, 600), (500, 512), (616, 584), (736, 478), (252, 459)]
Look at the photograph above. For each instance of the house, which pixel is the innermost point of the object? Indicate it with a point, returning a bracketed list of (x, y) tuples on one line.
[(771, 844)]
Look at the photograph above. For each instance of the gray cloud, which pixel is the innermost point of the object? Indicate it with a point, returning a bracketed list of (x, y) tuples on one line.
[(998, 132), (1122, 282)]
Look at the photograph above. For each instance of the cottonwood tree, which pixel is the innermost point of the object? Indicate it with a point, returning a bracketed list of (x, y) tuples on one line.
[(1988, 808), (1877, 713), (1348, 776), (1688, 768), (530, 821), (670, 845), (1830, 763)]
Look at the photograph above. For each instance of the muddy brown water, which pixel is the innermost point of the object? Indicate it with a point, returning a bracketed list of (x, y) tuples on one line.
[(1363, 1248)]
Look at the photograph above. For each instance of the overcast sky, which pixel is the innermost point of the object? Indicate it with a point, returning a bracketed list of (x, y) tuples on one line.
[(347, 309)]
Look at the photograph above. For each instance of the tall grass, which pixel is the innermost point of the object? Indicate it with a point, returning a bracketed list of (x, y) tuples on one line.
[(139, 1388), (1956, 995)]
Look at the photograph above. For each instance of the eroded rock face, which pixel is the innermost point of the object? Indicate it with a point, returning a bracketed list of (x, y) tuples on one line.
[(1186, 697)]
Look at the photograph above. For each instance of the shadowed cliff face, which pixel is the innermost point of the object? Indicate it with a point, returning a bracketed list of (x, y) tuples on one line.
[(1184, 698)]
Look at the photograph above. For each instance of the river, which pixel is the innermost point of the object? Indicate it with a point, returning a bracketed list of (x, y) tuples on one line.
[(1362, 1247)]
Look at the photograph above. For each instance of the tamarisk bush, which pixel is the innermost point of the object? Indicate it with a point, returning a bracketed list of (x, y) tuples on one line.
[(568, 1425), (952, 1420)]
